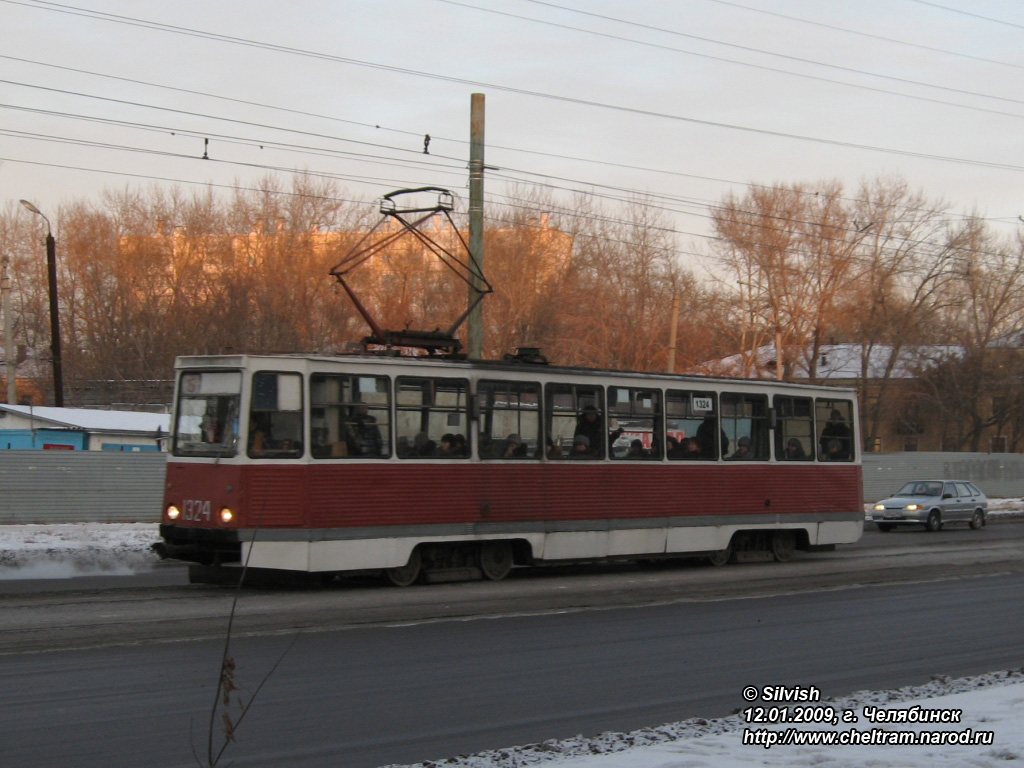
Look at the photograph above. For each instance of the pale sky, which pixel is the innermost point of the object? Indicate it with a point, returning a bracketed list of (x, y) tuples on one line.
[(678, 100)]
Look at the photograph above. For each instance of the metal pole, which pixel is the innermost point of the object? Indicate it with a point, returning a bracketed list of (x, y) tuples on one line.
[(474, 326), (51, 274), (58, 369), (10, 352)]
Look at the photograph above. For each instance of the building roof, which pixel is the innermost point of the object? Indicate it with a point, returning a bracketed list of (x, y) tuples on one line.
[(93, 420), (843, 362)]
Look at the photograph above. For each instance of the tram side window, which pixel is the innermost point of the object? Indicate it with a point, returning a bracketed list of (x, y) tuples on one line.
[(207, 421), (794, 428), (745, 421), (275, 415), (835, 429), (349, 416), (509, 420), (637, 412), (428, 410), (691, 429), (574, 418)]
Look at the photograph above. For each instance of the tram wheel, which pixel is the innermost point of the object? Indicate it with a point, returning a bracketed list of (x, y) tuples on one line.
[(495, 559), (721, 557), (783, 545), (407, 574)]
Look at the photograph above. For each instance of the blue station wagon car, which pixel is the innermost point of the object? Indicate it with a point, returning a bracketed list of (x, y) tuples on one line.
[(932, 503)]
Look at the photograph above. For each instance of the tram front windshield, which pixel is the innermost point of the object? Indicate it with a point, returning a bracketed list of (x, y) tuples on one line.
[(207, 413)]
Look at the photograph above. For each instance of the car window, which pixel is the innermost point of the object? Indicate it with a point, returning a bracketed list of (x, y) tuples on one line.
[(949, 489), (975, 491), (962, 489)]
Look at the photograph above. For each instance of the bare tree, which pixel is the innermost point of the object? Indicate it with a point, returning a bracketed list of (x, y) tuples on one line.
[(969, 387), (620, 289), (22, 240), (791, 252), (906, 260)]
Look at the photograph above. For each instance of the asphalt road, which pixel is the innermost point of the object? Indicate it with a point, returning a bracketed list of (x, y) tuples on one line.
[(369, 696), (379, 675)]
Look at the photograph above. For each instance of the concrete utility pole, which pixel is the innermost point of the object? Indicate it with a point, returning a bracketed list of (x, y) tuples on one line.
[(10, 352), (474, 323)]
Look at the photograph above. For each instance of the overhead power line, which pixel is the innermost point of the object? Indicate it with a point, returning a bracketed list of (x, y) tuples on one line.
[(331, 137), (968, 13), (219, 97), (191, 113), (416, 160), (764, 68), (751, 49), (538, 153), (362, 157), (131, 21), (868, 35)]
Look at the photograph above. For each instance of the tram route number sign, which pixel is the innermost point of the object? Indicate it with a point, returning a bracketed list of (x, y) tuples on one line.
[(702, 404)]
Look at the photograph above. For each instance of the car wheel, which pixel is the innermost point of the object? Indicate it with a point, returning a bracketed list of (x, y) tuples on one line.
[(885, 527), (934, 522), (977, 519)]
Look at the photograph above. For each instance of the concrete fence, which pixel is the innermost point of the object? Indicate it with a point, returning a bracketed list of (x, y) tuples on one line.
[(999, 475), (107, 487), (80, 486)]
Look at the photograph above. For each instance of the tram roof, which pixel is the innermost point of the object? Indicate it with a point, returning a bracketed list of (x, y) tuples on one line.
[(247, 360)]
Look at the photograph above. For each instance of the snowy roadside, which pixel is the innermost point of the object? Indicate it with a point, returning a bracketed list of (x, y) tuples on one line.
[(992, 703), (67, 550)]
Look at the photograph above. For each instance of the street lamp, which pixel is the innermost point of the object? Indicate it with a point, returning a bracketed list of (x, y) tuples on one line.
[(51, 271), (10, 352)]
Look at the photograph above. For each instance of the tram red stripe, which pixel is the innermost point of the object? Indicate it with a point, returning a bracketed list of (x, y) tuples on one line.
[(337, 495)]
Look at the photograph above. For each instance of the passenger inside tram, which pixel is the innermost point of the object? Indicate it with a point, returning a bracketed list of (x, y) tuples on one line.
[(362, 433), (257, 437), (515, 448), (581, 448), (794, 450), (743, 452)]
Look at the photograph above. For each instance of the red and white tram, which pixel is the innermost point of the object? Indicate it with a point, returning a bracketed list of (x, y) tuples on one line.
[(424, 467)]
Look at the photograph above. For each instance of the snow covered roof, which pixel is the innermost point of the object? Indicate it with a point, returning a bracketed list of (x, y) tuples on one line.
[(93, 420), (843, 362)]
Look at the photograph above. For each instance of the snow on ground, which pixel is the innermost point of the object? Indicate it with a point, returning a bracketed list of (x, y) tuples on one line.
[(988, 704), (66, 550)]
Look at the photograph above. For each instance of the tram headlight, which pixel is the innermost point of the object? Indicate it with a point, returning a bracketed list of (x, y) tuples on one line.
[(173, 513), (226, 515)]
